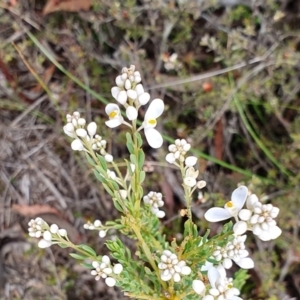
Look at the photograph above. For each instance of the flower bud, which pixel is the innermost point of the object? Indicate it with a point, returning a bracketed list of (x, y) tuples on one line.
[(92, 128), (81, 132), (81, 121), (109, 158), (77, 145), (190, 161), (160, 214), (118, 268), (240, 227), (47, 236), (122, 97), (54, 228), (102, 233), (144, 98), (132, 94), (199, 287), (131, 113)]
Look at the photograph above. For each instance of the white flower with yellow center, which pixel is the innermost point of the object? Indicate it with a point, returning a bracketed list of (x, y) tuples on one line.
[(114, 114), (154, 111), (221, 286), (231, 208)]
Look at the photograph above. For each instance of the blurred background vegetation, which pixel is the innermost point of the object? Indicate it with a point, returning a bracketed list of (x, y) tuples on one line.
[(228, 72)]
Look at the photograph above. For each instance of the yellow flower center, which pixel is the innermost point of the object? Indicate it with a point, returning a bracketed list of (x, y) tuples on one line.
[(113, 114), (152, 122), (229, 204)]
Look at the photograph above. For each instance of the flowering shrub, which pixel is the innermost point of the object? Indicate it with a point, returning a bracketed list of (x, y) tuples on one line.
[(196, 267)]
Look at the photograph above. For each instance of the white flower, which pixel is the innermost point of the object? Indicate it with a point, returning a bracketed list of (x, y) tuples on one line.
[(221, 287), (234, 251), (114, 114), (103, 270), (190, 177), (155, 110), (36, 227), (260, 219), (178, 151), (155, 201), (171, 267), (231, 208)]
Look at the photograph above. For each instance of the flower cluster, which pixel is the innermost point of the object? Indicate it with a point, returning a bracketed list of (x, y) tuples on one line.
[(221, 286), (155, 201), (258, 217), (177, 157), (171, 267), (97, 225), (36, 227), (130, 93), (235, 250), (50, 235), (178, 151), (104, 270), (85, 139)]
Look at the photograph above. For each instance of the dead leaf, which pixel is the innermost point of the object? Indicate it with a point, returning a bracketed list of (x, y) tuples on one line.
[(66, 5), (51, 216), (34, 210)]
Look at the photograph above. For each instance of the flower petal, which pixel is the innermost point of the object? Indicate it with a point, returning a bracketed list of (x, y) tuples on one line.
[(44, 244), (240, 227), (239, 196), (153, 137), (111, 107), (251, 200), (217, 214), (114, 122), (199, 287), (275, 232), (245, 263), (213, 275), (110, 281), (131, 113), (144, 98), (115, 91), (155, 109)]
